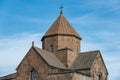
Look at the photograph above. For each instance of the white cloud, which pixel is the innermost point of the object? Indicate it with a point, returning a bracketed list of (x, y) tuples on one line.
[(13, 49), (96, 20), (111, 58), (113, 65), (109, 48), (98, 4), (23, 18)]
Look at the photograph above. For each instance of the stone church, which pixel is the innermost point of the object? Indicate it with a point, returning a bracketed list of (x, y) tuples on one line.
[(60, 57)]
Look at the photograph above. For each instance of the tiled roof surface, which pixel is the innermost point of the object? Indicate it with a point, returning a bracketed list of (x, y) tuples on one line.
[(84, 60), (50, 58), (61, 26), (8, 77)]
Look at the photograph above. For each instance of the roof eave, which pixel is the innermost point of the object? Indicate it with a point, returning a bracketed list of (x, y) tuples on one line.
[(60, 35)]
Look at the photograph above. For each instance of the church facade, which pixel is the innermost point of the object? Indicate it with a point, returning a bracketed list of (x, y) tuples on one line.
[(60, 58)]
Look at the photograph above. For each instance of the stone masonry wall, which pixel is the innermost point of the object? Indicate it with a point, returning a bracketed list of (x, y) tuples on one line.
[(32, 60), (98, 67), (68, 76), (65, 76), (59, 42), (78, 76)]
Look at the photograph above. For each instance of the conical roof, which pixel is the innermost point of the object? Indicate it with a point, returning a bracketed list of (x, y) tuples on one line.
[(61, 27)]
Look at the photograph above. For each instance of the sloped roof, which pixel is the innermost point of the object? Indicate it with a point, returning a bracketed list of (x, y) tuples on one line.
[(50, 58), (8, 77), (84, 60), (61, 27)]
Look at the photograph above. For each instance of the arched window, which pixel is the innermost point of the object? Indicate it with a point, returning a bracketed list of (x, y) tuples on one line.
[(33, 74), (99, 76), (51, 48), (77, 50)]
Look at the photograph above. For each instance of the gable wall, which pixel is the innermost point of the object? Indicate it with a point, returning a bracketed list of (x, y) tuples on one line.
[(32, 60), (62, 56), (98, 66)]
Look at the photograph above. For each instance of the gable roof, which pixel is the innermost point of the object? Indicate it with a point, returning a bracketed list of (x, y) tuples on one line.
[(84, 60), (103, 62), (50, 58), (61, 27), (8, 77)]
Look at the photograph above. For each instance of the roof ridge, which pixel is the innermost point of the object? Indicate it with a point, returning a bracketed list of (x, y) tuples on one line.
[(42, 49), (49, 58), (12, 75), (61, 26), (84, 60), (59, 22), (90, 51)]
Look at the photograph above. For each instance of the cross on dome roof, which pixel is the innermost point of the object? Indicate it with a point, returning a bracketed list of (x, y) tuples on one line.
[(61, 7), (61, 27)]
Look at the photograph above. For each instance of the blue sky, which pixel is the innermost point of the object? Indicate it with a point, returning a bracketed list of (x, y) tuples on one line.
[(24, 21)]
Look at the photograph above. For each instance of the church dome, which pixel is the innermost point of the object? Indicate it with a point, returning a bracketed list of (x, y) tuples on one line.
[(61, 27)]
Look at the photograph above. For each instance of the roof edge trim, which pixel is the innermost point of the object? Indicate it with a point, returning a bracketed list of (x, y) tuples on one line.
[(60, 35)]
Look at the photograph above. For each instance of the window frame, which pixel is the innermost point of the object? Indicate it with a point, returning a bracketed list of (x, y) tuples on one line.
[(77, 50), (51, 48), (99, 76), (33, 74)]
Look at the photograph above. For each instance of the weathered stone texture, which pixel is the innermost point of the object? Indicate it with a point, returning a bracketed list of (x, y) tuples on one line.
[(98, 67), (64, 62), (81, 77), (59, 42), (66, 76), (66, 56), (32, 61)]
